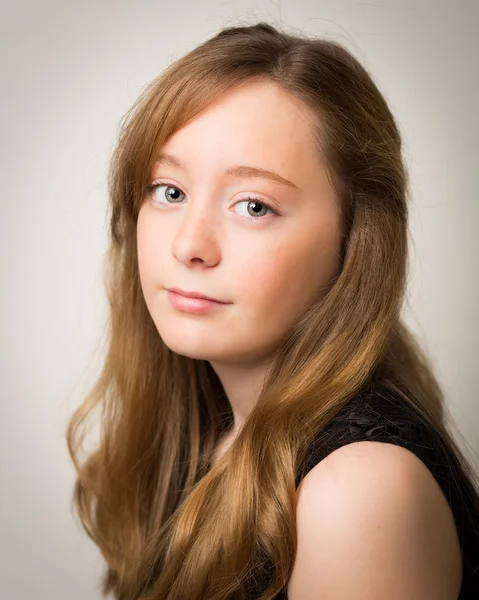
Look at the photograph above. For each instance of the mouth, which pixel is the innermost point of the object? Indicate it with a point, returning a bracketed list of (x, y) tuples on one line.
[(196, 295), (193, 304)]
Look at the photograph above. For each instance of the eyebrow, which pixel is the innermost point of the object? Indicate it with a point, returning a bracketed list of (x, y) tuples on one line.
[(237, 170)]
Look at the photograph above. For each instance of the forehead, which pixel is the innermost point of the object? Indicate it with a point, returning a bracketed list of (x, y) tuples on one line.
[(255, 123)]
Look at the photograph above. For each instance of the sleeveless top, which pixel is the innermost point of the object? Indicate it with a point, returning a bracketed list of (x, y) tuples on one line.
[(378, 414)]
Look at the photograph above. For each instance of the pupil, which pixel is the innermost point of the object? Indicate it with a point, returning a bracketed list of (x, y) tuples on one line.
[(172, 191), (256, 206)]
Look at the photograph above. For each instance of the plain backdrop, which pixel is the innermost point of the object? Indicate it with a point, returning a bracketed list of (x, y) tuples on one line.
[(69, 71)]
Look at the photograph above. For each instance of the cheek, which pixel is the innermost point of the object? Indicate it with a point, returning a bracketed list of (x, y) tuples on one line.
[(152, 246), (291, 273), (270, 295)]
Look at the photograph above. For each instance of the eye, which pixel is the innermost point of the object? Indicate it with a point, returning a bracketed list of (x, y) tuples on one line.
[(255, 207), (172, 193)]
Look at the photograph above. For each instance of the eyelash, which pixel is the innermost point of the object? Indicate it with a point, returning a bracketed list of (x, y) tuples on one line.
[(152, 187)]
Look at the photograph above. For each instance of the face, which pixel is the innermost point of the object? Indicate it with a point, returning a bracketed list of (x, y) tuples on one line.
[(263, 247)]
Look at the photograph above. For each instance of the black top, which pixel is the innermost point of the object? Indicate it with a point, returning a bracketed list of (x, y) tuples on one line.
[(383, 416)]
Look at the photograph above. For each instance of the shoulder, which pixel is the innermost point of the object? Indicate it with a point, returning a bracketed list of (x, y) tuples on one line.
[(371, 518)]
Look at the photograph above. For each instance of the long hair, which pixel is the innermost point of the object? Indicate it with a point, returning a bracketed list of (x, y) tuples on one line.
[(168, 524)]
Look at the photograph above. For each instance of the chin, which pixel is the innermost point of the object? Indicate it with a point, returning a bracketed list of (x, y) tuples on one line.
[(206, 349), (190, 343)]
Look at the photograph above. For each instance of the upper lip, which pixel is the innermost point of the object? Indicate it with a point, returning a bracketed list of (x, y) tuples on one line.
[(194, 295)]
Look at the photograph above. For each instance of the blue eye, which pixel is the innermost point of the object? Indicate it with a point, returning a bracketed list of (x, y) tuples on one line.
[(255, 206)]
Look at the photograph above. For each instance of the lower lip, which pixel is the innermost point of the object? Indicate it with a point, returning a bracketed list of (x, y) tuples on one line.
[(193, 305)]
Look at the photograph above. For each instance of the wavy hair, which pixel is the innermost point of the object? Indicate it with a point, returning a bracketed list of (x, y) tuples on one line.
[(169, 524)]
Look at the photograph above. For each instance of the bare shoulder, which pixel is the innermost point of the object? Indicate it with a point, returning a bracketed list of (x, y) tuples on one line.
[(373, 523)]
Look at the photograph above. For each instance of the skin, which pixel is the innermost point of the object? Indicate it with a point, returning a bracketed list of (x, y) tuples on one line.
[(373, 523), (267, 266)]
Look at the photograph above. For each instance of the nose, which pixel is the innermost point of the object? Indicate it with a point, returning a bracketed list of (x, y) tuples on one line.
[(195, 241)]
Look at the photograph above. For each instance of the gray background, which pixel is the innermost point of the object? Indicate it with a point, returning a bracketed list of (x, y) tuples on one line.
[(69, 71)]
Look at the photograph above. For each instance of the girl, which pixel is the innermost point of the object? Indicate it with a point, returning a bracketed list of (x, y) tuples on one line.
[(269, 426)]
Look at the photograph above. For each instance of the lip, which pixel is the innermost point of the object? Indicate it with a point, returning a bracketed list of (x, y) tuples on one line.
[(193, 304), (194, 295)]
